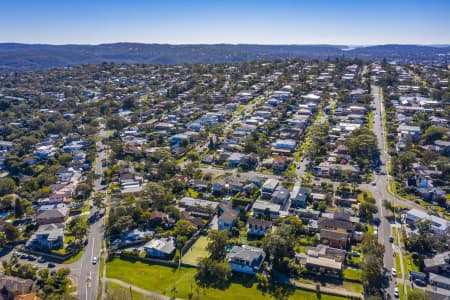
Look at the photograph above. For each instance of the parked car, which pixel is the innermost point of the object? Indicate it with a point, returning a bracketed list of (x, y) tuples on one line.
[(396, 294), (94, 260), (394, 272), (51, 265), (32, 257), (420, 282), (391, 239), (356, 253), (42, 260)]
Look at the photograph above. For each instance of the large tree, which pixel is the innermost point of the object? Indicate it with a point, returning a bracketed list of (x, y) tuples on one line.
[(157, 195), (363, 146), (213, 273), (372, 264), (218, 240)]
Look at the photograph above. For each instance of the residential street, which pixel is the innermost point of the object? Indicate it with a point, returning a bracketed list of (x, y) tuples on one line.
[(87, 270)]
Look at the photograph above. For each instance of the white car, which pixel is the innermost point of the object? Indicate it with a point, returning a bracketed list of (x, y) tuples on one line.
[(396, 294), (394, 272), (375, 231), (94, 260)]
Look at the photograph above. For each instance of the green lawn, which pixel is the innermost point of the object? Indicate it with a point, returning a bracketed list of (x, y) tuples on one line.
[(111, 287), (198, 250), (370, 120), (398, 266), (401, 292), (162, 279), (408, 264), (352, 274), (74, 258), (353, 286), (394, 235)]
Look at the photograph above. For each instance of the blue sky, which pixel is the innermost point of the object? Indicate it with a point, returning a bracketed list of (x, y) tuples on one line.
[(356, 22)]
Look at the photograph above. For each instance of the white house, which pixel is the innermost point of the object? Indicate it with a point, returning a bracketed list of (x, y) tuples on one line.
[(246, 259), (438, 225)]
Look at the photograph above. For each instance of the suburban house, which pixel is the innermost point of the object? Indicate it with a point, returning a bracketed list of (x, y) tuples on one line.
[(299, 196), (199, 207), (269, 187), (286, 146), (265, 208), (6, 145), (336, 231), (246, 259), (160, 218), (235, 159), (440, 281), (320, 265), (438, 264), (327, 252), (160, 248), (438, 225), (47, 237), (336, 238), (227, 217), (258, 227), (279, 163), (413, 131), (281, 196), (11, 286), (58, 214)]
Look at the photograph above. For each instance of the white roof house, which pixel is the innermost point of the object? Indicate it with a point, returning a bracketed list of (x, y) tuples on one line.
[(438, 224)]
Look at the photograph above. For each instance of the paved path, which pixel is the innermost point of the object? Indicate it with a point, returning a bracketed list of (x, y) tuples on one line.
[(152, 295)]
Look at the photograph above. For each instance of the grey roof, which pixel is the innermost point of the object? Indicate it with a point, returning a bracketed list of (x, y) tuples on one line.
[(439, 278), (57, 212), (438, 260), (436, 222), (6, 143), (251, 254), (229, 215), (442, 143), (259, 222), (188, 201), (270, 183), (163, 245), (409, 128), (263, 205), (281, 193)]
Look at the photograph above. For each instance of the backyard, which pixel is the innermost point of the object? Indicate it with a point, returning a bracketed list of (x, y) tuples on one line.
[(197, 251), (163, 279)]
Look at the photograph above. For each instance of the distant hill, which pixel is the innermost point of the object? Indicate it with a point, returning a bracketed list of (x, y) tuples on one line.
[(17, 57)]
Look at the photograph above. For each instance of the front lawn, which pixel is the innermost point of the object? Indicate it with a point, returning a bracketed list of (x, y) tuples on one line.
[(111, 287), (162, 279), (398, 266), (409, 265)]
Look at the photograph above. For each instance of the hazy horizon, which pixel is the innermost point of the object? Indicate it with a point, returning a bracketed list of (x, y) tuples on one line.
[(283, 22)]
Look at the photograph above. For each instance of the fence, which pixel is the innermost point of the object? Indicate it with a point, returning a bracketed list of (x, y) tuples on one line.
[(50, 256), (148, 260)]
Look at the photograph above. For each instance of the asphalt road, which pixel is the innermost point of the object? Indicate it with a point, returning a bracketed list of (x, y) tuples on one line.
[(379, 190), (87, 270)]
